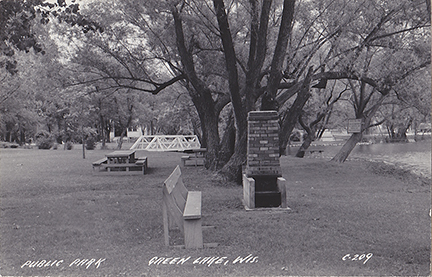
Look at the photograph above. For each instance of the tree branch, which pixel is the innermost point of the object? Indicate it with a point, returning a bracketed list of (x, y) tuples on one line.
[(230, 62), (281, 46)]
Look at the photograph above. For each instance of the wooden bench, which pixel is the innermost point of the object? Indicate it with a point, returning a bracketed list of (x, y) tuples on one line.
[(197, 161), (182, 208), (142, 161), (127, 167), (98, 163), (316, 151)]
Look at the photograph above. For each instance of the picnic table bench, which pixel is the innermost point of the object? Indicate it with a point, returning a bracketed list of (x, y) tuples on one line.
[(98, 163), (182, 208)]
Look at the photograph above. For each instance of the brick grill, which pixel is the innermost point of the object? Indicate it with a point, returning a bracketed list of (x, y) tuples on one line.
[(263, 144), (262, 185)]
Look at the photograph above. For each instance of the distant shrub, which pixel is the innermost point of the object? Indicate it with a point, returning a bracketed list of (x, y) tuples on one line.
[(44, 140), (90, 144), (90, 136), (104, 147), (44, 143), (8, 144), (69, 145), (42, 134)]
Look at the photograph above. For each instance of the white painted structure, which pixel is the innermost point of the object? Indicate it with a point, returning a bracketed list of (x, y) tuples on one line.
[(131, 134), (166, 143)]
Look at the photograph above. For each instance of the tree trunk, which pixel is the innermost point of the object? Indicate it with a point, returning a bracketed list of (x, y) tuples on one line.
[(211, 126), (102, 130), (311, 130), (401, 134), (228, 141), (305, 145), (201, 96), (233, 169), (120, 140), (22, 136), (284, 36), (291, 116), (346, 149)]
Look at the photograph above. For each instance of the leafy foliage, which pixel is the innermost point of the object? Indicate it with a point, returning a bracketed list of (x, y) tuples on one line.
[(44, 140), (17, 19)]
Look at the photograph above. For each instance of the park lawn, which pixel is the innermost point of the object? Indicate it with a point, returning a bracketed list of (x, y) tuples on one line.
[(55, 208)]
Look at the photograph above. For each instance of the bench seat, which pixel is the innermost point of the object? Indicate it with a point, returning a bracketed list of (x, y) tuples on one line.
[(140, 165), (99, 162)]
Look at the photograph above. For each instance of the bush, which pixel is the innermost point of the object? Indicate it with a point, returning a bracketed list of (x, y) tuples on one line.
[(44, 140), (42, 134), (90, 144), (9, 144), (69, 145), (44, 143)]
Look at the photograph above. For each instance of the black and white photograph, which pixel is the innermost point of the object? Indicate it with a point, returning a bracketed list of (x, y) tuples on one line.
[(227, 138)]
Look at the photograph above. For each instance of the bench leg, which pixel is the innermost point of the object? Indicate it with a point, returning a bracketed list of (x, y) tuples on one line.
[(281, 182), (165, 223), (193, 233)]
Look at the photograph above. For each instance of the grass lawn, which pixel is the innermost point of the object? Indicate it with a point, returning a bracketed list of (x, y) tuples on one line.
[(57, 215)]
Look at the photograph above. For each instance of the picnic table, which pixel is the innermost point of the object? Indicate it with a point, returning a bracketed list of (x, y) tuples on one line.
[(121, 157), (195, 155), (122, 160)]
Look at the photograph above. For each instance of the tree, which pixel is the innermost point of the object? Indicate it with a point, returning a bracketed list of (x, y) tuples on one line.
[(29, 82), (24, 94), (322, 110), (272, 51), (404, 52), (16, 25)]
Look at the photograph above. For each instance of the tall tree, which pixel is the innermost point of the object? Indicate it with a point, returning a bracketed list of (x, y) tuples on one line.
[(250, 52)]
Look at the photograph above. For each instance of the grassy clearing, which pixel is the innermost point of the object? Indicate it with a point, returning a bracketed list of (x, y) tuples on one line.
[(53, 207)]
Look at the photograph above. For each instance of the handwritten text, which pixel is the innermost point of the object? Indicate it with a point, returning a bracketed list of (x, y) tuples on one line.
[(207, 261), (56, 263), (357, 257)]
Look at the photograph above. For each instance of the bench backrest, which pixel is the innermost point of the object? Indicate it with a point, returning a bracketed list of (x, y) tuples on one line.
[(175, 196)]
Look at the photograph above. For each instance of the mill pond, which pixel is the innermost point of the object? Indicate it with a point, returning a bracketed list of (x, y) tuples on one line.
[(415, 156)]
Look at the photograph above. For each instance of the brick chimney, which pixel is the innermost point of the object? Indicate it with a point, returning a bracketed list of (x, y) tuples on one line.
[(263, 144), (263, 185)]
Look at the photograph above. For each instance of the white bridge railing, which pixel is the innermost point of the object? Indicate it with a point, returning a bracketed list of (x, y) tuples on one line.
[(166, 143)]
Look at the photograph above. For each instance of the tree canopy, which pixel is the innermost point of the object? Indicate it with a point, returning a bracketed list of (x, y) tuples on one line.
[(232, 57)]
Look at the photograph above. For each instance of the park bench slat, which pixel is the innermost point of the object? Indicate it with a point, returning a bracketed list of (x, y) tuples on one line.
[(99, 162), (179, 196), (174, 211), (192, 209)]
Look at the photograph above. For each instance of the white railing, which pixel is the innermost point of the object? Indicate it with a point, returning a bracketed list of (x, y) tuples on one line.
[(166, 143)]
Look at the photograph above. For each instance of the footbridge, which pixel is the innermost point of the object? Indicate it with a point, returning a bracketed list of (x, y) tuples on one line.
[(166, 143)]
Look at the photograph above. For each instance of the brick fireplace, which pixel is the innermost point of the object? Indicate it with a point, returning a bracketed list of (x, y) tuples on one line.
[(263, 185)]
